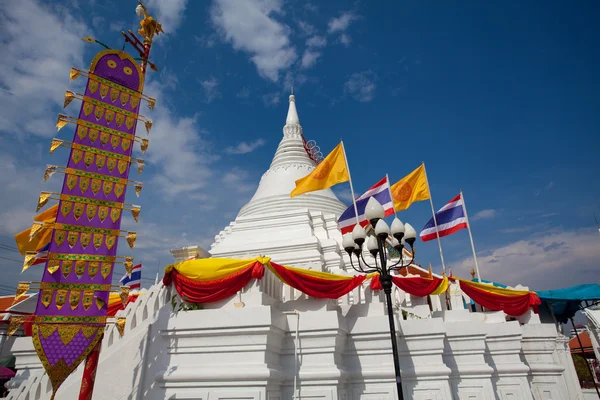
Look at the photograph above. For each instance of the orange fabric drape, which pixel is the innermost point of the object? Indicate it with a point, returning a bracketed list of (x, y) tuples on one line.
[(317, 284), (500, 299), (215, 290), (416, 286)]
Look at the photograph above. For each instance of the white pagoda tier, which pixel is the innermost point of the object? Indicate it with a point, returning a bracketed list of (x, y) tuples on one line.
[(271, 342), (300, 231)]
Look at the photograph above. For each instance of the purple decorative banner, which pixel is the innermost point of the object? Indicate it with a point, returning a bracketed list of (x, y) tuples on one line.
[(72, 304)]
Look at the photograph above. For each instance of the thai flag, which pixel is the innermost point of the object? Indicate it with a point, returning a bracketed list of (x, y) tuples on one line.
[(135, 280), (450, 218), (42, 255), (381, 192)]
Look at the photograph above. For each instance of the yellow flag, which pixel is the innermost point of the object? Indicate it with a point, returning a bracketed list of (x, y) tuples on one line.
[(331, 171), (40, 240), (411, 188)]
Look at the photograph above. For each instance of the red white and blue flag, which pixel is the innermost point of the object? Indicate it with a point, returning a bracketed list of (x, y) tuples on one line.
[(42, 255), (450, 218), (134, 281), (381, 192)]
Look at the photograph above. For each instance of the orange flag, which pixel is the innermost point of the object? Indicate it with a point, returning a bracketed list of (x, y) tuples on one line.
[(43, 238), (331, 171)]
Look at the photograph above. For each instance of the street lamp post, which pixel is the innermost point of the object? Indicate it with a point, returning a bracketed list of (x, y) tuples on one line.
[(376, 245)]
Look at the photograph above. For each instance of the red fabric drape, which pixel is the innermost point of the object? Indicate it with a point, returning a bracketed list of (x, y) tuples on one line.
[(511, 305), (212, 291), (114, 308), (416, 286), (317, 287), (89, 374)]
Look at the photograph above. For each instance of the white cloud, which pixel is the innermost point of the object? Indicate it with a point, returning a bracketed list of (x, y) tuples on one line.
[(549, 185), (98, 22), (21, 187), (207, 41), (271, 99), (168, 12), (177, 149), (250, 27), (245, 147), (341, 23), (211, 89), (38, 49), (116, 26), (307, 28), (550, 261), (361, 86), (309, 58), (237, 179), (345, 39), (339, 26), (484, 214), (316, 41)]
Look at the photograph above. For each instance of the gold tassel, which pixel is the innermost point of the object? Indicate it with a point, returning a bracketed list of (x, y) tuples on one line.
[(124, 294), (141, 165), (74, 74), (36, 227), (121, 325), (144, 146), (14, 323), (138, 188), (56, 143), (135, 212), (61, 122), (100, 303), (148, 124), (151, 103), (128, 263), (22, 288), (29, 259), (131, 238), (43, 200), (89, 39), (50, 170), (430, 272), (69, 96)]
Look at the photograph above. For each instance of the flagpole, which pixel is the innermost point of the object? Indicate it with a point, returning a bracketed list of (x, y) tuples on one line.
[(391, 195), (350, 180), (437, 233), (470, 235)]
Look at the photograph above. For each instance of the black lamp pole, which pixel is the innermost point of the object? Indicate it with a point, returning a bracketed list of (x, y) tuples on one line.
[(353, 245)]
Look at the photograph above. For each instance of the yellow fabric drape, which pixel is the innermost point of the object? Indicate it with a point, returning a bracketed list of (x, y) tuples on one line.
[(493, 289), (441, 288), (210, 269), (314, 274), (42, 238), (409, 189), (331, 171)]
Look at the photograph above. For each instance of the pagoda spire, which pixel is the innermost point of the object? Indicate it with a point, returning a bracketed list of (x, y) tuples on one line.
[(292, 115)]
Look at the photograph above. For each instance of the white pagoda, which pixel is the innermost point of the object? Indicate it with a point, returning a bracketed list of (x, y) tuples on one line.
[(271, 342)]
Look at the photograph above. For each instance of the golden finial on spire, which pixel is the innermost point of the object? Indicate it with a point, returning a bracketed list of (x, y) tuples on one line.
[(148, 26), (472, 273)]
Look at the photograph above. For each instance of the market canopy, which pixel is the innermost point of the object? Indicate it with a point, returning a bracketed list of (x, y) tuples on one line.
[(565, 302)]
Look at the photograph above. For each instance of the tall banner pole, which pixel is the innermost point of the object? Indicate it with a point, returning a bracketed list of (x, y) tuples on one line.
[(391, 195), (470, 235), (149, 28), (350, 180), (437, 233)]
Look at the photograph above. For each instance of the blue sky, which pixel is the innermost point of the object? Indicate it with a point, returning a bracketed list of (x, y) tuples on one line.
[(498, 98)]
